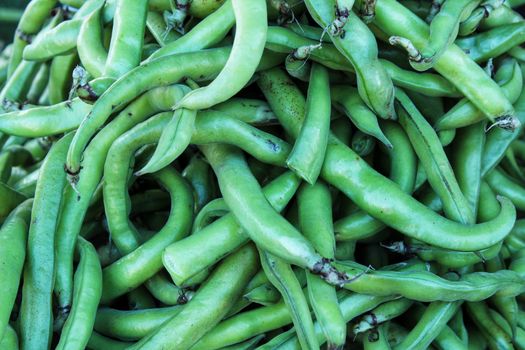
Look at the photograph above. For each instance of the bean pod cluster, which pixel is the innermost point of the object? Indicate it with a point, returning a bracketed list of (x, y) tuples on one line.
[(263, 174)]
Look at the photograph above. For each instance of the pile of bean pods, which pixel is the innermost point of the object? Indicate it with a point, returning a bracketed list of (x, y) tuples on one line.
[(263, 174)]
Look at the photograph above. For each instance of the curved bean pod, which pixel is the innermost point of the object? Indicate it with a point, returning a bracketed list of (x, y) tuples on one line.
[(142, 263), (247, 50), (210, 304), (372, 192), (444, 29), (494, 42), (222, 236), (464, 113), (347, 99), (88, 289), (210, 31), (394, 19), (58, 41), (278, 236), (504, 185), (77, 200), (161, 72), (34, 17), (360, 224), (135, 324), (357, 44)]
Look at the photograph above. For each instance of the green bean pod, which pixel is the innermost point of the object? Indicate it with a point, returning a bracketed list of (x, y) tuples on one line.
[(36, 310), (499, 16), (315, 218), (494, 42), (216, 127), (208, 307), (467, 162), (175, 138), (222, 236), (278, 237), (383, 313), (135, 324), (45, 120), (142, 263), (210, 212), (9, 341), (34, 17), (393, 19), (444, 29), (280, 274), (357, 44), (77, 200), (347, 99), (307, 155), (265, 294), (210, 31), (496, 337), (157, 28), (426, 286), (198, 174), (372, 192), (91, 50), (13, 235), (16, 88), (247, 50), (433, 158), (123, 232), (360, 224), (39, 84), (505, 185), (129, 23), (87, 292), (430, 325), (60, 80), (161, 72), (60, 40)]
